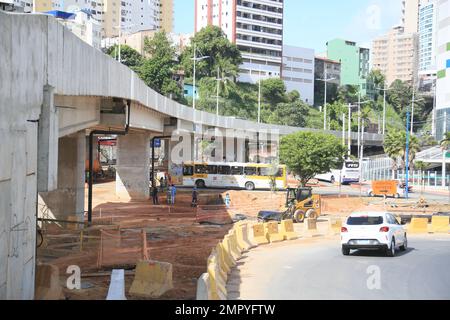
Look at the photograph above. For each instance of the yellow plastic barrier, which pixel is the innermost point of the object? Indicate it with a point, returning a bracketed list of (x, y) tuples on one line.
[(246, 227), (240, 237), (225, 264), (272, 233), (335, 225), (217, 284), (227, 248), (232, 250), (234, 244), (259, 235), (418, 225), (287, 230), (152, 279), (440, 224)]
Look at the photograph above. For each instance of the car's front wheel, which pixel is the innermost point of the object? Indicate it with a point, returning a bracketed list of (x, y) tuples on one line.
[(345, 251), (390, 252)]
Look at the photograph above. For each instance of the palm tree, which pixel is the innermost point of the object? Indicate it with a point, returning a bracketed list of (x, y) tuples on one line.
[(395, 147)]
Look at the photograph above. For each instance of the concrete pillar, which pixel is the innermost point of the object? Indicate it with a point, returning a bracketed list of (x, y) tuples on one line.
[(133, 166), (48, 143), (67, 201)]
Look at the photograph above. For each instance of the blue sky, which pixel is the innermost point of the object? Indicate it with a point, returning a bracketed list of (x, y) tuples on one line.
[(311, 23)]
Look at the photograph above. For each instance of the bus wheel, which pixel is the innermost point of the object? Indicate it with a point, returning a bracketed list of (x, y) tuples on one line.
[(200, 184), (250, 186)]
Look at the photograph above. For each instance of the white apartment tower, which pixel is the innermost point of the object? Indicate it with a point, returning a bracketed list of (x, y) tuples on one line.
[(255, 26)]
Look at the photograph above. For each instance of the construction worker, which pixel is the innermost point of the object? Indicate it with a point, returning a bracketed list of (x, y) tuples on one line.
[(155, 195), (161, 184), (194, 197), (173, 193), (227, 200), (169, 195)]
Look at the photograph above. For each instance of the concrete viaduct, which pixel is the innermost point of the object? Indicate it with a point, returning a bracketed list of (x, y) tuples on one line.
[(54, 90)]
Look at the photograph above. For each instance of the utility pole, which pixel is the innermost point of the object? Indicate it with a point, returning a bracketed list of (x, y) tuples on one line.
[(259, 95), (218, 87), (195, 69), (384, 109), (412, 113), (408, 115), (343, 129), (325, 101), (359, 120), (349, 130)]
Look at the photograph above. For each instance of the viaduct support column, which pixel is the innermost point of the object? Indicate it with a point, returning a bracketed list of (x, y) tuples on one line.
[(67, 201), (133, 166)]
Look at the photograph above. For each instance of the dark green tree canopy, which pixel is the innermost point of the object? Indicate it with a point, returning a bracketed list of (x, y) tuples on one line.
[(211, 41), (308, 154), (129, 57)]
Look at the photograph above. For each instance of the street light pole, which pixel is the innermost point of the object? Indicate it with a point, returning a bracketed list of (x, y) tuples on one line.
[(325, 102), (384, 110), (195, 69), (259, 95), (407, 153), (349, 129), (412, 113), (218, 82)]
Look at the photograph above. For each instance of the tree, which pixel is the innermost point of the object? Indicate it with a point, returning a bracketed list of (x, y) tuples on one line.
[(348, 94), (308, 154), (395, 147), (211, 41), (128, 56), (273, 92), (157, 71), (377, 80), (290, 114)]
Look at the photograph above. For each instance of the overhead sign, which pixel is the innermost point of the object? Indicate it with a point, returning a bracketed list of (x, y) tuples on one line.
[(157, 143)]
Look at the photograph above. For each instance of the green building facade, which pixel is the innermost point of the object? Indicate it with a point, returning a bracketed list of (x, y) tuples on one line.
[(354, 60)]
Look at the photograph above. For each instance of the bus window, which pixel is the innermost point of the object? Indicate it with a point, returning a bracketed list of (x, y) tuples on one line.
[(199, 169), (251, 171), (237, 171), (212, 169), (268, 172), (188, 171), (279, 173), (224, 170)]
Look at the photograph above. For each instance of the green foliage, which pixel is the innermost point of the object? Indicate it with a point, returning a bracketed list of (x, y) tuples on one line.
[(129, 57), (224, 55), (157, 71), (308, 153), (290, 114), (273, 92), (395, 146)]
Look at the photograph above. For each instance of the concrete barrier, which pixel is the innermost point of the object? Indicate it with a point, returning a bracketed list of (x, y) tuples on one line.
[(217, 284), (48, 286), (418, 225), (116, 289), (287, 230), (152, 279), (203, 288), (272, 233), (440, 224), (259, 234)]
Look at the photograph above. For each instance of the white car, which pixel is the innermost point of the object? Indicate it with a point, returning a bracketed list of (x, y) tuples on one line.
[(373, 230)]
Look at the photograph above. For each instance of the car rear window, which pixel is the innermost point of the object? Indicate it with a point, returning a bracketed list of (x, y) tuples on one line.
[(365, 221)]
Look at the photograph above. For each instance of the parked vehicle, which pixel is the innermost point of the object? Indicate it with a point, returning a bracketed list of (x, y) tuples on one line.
[(349, 173), (373, 231)]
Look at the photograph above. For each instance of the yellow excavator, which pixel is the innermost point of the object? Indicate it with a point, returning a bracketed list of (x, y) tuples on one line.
[(301, 203)]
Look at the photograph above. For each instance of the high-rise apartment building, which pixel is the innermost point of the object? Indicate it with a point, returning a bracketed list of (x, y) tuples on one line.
[(298, 71), (395, 55), (131, 15), (255, 26), (354, 62), (427, 45), (443, 68)]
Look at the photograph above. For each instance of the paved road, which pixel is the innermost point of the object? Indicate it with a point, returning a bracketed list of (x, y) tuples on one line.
[(316, 270)]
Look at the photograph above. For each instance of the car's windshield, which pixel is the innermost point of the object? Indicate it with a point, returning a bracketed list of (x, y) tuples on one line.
[(365, 221)]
